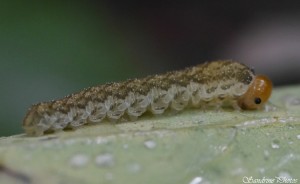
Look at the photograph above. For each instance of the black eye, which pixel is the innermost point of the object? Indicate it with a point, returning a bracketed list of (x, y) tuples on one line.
[(257, 100)]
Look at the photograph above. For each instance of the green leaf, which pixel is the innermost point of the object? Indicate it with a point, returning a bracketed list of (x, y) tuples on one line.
[(194, 146)]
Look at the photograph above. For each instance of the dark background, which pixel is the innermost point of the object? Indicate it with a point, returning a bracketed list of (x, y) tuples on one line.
[(49, 49)]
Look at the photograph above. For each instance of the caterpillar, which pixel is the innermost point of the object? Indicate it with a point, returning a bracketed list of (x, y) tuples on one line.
[(218, 83)]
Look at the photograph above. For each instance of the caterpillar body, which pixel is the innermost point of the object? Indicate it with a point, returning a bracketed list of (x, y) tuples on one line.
[(216, 83)]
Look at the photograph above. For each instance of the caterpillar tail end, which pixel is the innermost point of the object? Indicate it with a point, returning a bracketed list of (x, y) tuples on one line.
[(32, 124)]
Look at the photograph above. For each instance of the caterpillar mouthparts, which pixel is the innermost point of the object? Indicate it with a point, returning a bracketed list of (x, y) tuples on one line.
[(216, 83)]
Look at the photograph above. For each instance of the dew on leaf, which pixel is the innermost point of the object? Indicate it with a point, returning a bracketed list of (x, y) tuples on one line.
[(79, 160), (105, 160)]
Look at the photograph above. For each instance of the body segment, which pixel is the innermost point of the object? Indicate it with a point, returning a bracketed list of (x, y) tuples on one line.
[(216, 83)]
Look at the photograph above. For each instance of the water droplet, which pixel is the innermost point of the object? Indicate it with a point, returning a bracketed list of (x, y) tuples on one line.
[(101, 140), (196, 180), (134, 168), (275, 144), (291, 127), (262, 170), (79, 160), (223, 148), (150, 144), (125, 146), (298, 136), (258, 146), (285, 175), (105, 160), (238, 171)]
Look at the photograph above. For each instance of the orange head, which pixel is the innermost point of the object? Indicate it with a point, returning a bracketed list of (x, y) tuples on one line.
[(257, 94)]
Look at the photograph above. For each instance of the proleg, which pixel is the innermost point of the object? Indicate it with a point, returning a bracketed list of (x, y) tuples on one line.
[(219, 83)]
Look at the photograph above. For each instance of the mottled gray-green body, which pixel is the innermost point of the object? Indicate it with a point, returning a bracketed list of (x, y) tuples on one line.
[(214, 83)]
